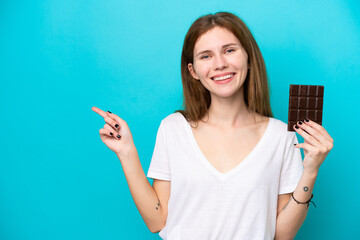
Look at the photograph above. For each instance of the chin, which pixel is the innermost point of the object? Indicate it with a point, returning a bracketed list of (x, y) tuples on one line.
[(224, 94)]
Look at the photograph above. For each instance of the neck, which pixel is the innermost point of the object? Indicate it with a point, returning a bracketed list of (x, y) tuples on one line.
[(229, 112)]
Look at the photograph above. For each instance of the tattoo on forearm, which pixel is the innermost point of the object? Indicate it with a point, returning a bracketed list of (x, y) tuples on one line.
[(157, 207), (305, 189)]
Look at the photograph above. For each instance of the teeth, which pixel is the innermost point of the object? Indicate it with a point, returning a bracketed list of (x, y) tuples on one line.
[(223, 77)]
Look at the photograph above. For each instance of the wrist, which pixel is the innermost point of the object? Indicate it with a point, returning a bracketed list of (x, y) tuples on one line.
[(311, 173), (127, 153)]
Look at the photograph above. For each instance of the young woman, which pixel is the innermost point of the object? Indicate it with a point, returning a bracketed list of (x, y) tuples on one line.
[(223, 167)]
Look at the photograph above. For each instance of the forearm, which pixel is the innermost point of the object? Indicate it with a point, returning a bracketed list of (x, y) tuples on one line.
[(293, 215), (142, 192)]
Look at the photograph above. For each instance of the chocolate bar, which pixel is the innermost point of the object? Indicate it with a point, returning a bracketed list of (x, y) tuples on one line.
[(305, 101)]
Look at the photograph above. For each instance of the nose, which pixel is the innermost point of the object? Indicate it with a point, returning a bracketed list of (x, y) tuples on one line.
[(220, 62)]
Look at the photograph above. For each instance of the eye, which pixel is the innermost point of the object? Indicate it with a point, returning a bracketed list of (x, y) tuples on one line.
[(230, 50), (204, 57)]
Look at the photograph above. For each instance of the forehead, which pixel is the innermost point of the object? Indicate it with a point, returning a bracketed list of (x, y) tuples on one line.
[(215, 38)]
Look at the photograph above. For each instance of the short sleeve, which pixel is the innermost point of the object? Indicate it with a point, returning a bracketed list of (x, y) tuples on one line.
[(292, 167), (159, 165)]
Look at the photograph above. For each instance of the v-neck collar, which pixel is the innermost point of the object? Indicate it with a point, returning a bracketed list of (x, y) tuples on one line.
[(223, 176)]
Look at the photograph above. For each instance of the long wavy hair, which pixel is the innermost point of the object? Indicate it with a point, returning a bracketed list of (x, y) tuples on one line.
[(197, 98)]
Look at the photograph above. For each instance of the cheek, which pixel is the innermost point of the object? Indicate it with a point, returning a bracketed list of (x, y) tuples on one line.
[(202, 69), (240, 62)]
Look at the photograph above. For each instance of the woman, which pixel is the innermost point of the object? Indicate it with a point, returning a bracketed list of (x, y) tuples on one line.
[(223, 168)]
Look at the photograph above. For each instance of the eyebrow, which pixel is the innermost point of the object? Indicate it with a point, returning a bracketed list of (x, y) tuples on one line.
[(224, 46)]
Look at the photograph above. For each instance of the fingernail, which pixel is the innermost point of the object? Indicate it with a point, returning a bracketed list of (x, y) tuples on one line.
[(118, 136), (111, 133), (306, 120), (109, 112), (116, 125), (296, 127), (300, 122)]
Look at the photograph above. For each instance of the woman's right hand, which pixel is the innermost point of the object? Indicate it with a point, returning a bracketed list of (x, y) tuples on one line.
[(116, 134)]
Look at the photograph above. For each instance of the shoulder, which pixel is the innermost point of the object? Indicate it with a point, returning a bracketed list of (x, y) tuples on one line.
[(173, 120), (173, 117), (279, 128)]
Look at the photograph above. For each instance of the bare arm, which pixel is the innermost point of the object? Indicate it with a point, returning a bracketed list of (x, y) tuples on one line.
[(317, 145), (292, 216), (117, 137), (144, 195)]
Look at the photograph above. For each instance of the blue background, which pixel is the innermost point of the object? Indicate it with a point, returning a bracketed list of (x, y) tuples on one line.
[(59, 58)]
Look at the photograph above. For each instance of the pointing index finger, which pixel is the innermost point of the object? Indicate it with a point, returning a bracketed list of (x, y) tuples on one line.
[(99, 111)]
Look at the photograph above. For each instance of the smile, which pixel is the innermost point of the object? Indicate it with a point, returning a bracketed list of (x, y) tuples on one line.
[(223, 79)]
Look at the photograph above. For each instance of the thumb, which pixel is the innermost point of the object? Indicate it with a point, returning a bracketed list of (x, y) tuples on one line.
[(304, 146)]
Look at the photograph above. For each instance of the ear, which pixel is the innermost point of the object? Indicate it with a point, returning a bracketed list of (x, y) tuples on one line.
[(192, 71)]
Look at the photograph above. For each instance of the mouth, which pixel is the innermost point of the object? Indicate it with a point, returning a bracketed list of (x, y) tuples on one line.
[(223, 79)]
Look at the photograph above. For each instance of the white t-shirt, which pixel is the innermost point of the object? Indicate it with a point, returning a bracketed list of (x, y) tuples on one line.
[(206, 204)]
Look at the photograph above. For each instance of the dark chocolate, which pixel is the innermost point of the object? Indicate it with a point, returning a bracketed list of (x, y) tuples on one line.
[(305, 102)]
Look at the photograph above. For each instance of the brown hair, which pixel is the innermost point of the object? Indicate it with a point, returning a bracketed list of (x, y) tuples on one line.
[(196, 97)]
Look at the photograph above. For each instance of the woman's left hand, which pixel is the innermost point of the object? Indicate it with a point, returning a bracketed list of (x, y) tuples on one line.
[(317, 145)]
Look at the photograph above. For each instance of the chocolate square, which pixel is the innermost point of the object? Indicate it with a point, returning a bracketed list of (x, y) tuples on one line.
[(305, 101)]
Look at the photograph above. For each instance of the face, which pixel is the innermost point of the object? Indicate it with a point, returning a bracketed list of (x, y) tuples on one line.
[(220, 62)]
